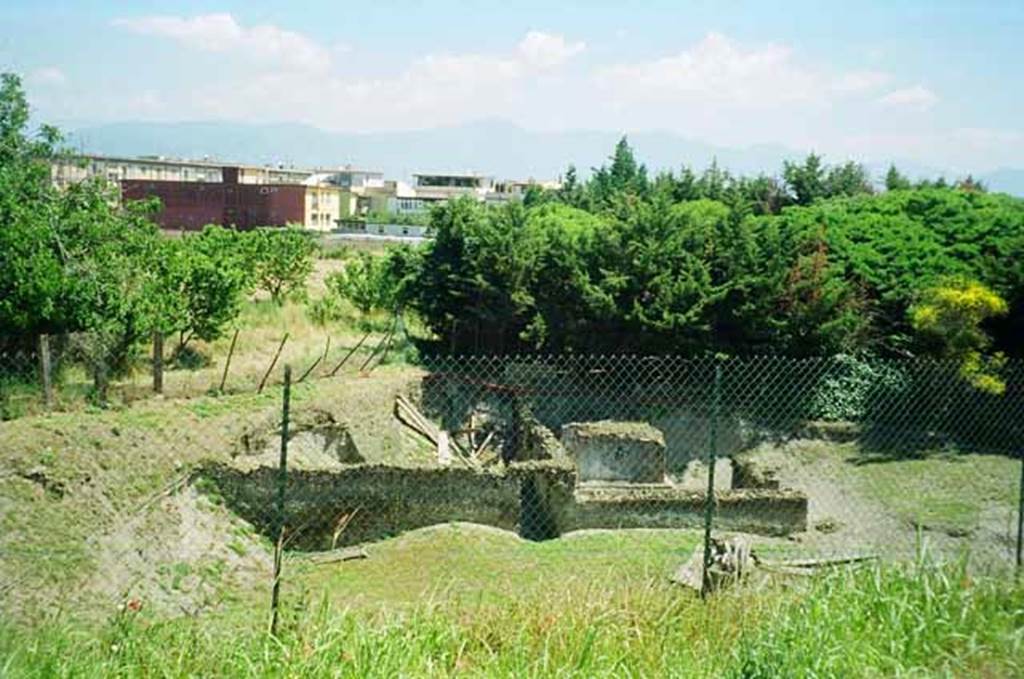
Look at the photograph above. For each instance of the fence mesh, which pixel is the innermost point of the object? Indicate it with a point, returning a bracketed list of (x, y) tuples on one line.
[(178, 503)]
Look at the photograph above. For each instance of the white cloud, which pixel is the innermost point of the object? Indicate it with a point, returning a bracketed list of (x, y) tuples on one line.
[(536, 53), (722, 73), (545, 50), (856, 82), (222, 33), (716, 71), (48, 75), (917, 97), (431, 90)]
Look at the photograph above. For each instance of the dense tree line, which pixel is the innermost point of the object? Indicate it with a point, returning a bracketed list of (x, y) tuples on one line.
[(817, 261)]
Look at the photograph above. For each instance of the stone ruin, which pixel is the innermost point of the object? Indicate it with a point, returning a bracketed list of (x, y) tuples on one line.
[(592, 474)]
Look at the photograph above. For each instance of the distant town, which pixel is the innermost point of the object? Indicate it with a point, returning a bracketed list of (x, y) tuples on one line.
[(194, 193)]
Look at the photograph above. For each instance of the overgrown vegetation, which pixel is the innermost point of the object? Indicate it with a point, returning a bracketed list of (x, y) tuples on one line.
[(918, 621)]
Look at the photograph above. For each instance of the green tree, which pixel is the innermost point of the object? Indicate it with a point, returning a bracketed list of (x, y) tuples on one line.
[(805, 181), (72, 260), (896, 181), (571, 191), (280, 260), (202, 280), (624, 176), (33, 284), (848, 179), (366, 282)]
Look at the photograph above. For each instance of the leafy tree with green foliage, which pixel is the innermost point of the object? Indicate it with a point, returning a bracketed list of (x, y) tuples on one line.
[(848, 179), (366, 282), (109, 250), (33, 284), (73, 260), (896, 244), (805, 181), (572, 190), (203, 280), (473, 278), (280, 260)]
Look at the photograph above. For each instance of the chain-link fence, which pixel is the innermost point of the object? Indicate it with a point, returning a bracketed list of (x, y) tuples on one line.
[(191, 504)]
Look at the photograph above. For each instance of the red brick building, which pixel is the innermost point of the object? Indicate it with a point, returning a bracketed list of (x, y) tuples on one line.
[(192, 205)]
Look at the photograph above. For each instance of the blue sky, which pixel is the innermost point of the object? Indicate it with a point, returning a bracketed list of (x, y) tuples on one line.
[(935, 82)]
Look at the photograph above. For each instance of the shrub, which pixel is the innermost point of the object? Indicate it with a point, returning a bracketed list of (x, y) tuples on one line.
[(849, 384), (952, 314)]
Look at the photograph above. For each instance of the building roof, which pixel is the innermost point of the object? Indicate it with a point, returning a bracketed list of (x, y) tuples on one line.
[(464, 175), (210, 163), (348, 169)]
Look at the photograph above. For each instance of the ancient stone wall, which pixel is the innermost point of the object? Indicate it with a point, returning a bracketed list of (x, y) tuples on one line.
[(379, 501), (769, 512), (538, 499), (631, 452)]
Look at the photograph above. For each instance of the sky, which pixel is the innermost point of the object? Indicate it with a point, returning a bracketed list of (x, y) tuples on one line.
[(938, 82)]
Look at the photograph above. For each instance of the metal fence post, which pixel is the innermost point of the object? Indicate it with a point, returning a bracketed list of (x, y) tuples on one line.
[(158, 362), (282, 482), (45, 371), (1020, 515), (709, 499)]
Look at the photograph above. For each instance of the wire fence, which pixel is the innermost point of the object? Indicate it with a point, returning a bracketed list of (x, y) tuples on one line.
[(687, 468), (74, 371)]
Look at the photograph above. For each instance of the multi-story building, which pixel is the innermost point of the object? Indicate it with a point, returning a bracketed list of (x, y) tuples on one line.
[(431, 188), (116, 169), (196, 193), (357, 188)]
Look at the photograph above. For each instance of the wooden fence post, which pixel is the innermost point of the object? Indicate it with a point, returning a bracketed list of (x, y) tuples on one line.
[(277, 355), (227, 363)]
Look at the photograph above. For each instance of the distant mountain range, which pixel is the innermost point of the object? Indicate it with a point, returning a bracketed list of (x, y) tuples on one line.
[(492, 147)]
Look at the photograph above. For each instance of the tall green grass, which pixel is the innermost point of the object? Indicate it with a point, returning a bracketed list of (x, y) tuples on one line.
[(926, 620)]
